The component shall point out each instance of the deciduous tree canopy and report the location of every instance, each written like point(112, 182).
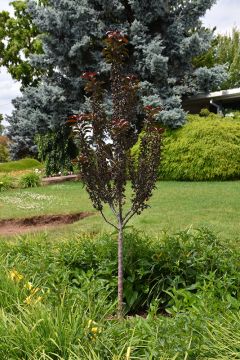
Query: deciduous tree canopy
point(19, 38)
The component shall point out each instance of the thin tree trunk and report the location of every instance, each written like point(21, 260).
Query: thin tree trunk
point(120, 271)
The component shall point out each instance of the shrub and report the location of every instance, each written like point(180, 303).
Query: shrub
point(30, 180)
point(189, 259)
point(6, 182)
point(152, 267)
point(204, 113)
point(56, 149)
point(4, 153)
point(205, 148)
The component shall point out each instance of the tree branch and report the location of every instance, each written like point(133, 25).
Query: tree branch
point(128, 216)
point(107, 221)
point(113, 209)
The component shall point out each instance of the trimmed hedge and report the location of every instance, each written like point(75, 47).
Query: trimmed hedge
point(205, 148)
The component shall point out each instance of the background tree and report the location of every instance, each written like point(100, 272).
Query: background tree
point(165, 36)
point(4, 143)
point(105, 141)
point(224, 50)
point(1, 125)
point(57, 149)
point(19, 38)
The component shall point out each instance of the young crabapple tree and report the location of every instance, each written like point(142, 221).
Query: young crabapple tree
point(105, 142)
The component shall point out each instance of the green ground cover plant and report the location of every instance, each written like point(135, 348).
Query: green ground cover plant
point(182, 261)
point(58, 289)
point(6, 182)
point(64, 305)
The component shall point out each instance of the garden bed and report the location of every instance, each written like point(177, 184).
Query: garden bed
point(17, 226)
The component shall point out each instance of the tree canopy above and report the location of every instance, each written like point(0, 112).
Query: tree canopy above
point(164, 36)
point(224, 50)
point(19, 38)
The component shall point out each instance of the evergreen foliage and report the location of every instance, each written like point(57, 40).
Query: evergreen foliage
point(225, 50)
point(165, 36)
point(30, 118)
point(205, 148)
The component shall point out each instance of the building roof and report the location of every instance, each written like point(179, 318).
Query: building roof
point(228, 98)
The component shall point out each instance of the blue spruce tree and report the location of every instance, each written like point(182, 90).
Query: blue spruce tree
point(164, 36)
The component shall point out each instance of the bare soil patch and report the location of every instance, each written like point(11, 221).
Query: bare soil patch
point(18, 226)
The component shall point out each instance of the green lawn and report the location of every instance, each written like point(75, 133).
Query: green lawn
point(23, 164)
point(174, 206)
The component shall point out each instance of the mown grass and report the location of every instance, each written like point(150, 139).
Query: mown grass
point(173, 207)
point(19, 165)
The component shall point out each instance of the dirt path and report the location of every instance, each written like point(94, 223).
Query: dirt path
point(19, 226)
